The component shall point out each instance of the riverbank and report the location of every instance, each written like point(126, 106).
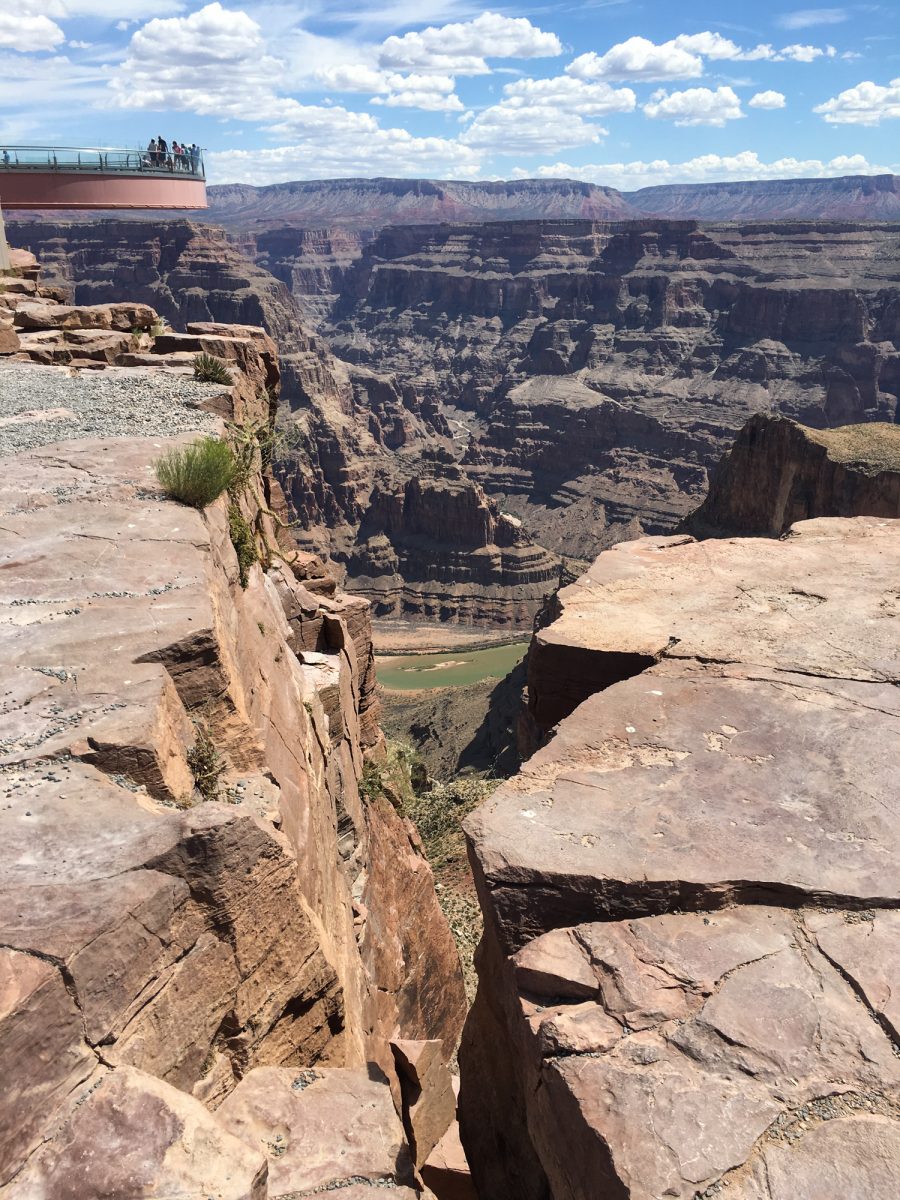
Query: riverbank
point(454, 668)
point(395, 637)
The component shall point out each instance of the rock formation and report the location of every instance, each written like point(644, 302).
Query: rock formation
point(201, 904)
point(690, 893)
point(779, 472)
point(580, 378)
point(369, 467)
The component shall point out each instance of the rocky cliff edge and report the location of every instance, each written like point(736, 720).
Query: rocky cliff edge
point(209, 928)
point(689, 971)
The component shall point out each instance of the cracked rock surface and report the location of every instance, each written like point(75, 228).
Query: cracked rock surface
point(689, 970)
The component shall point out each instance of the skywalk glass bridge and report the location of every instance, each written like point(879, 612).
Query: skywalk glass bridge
point(97, 177)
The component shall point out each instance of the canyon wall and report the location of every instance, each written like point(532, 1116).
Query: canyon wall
point(367, 464)
point(482, 408)
point(213, 925)
point(778, 472)
point(689, 964)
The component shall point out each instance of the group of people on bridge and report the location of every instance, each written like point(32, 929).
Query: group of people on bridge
point(178, 157)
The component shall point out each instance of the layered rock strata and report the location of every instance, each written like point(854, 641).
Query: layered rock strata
point(690, 893)
point(779, 472)
point(194, 884)
point(582, 377)
point(369, 468)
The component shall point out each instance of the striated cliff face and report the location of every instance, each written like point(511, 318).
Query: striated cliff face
point(581, 377)
point(600, 370)
point(209, 926)
point(371, 203)
point(847, 198)
point(690, 898)
point(353, 441)
point(779, 472)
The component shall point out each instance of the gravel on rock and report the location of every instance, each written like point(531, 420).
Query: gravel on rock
point(41, 405)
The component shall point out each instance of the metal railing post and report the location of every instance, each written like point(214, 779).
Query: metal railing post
point(5, 263)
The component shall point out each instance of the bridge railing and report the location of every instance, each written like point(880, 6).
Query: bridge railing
point(100, 159)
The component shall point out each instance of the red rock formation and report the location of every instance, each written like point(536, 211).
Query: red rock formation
point(165, 932)
point(779, 472)
point(689, 895)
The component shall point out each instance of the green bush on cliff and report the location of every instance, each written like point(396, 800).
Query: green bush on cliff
point(243, 541)
point(198, 473)
point(209, 369)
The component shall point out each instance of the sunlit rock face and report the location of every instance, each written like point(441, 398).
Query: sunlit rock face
point(690, 900)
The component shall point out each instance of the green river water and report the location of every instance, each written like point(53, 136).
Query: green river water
point(409, 672)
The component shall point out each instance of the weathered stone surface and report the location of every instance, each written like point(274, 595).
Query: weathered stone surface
point(157, 919)
point(129, 1134)
point(689, 964)
point(319, 1129)
point(737, 601)
point(426, 1089)
point(778, 472)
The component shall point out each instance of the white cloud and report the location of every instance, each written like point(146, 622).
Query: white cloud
point(637, 58)
point(543, 116)
point(434, 93)
point(767, 100)
point(696, 106)
point(538, 130)
point(213, 62)
point(569, 95)
point(27, 33)
point(351, 152)
point(110, 10)
point(681, 58)
point(866, 104)
point(803, 54)
point(706, 168)
point(461, 48)
point(804, 17)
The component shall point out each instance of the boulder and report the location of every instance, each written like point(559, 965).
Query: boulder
point(320, 1129)
point(127, 1133)
point(426, 1090)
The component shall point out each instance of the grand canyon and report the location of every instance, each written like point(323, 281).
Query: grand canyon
point(652, 434)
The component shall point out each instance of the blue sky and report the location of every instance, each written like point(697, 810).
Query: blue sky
point(621, 92)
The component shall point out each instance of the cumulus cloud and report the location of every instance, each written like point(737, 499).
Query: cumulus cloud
point(805, 17)
point(321, 153)
point(212, 62)
point(682, 57)
point(746, 165)
point(866, 104)
point(767, 100)
point(463, 47)
point(696, 106)
point(542, 116)
point(27, 32)
point(637, 59)
point(434, 93)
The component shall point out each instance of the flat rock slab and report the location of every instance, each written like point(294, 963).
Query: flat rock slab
point(715, 1047)
point(321, 1129)
point(822, 601)
point(129, 1134)
point(694, 788)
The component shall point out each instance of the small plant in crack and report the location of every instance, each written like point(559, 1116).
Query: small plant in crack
point(243, 541)
point(206, 763)
point(209, 369)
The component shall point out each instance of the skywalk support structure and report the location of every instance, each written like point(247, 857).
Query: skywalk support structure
point(66, 177)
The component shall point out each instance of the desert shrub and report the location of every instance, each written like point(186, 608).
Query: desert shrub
point(206, 764)
point(209, 369)
point(372, 783)
point(243, 541)
point(198, 473)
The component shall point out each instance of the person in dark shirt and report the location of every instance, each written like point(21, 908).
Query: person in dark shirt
point(162, 151)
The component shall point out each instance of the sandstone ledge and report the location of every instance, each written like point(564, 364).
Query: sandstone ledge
point(690, 891)
point(156, 947)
